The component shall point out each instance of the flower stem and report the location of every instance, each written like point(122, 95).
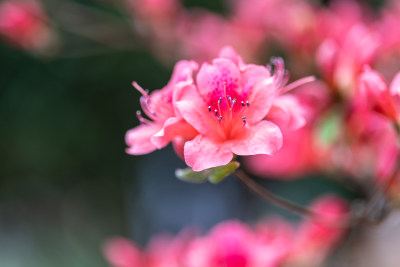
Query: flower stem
point(265, 194)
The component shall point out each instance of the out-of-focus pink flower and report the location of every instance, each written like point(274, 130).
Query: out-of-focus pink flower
point(233, 244)
point(387, 26)
point(272, 242)
point(121, 252)
point(227, 107)
point(373, 93)
point(317, 237)
point(165, 122)
point(297, 157)
point(155, 9)
point(300, 153)
point(370, 135)
point(348, 43)
point(23, 23)
point(289, 22)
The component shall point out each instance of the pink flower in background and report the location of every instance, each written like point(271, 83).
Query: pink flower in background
point(165, 123)
point(316, 238)
point(272, 242)
point(298, 156)
point(227, 106)
point(162, 251)
point(23, 23)
point(300, 153)
point(369, 126)
point(234, 244)
point(348, 42)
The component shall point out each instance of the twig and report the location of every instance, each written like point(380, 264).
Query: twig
point(265, 194)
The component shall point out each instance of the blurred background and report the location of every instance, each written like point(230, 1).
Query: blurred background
point(66, 184)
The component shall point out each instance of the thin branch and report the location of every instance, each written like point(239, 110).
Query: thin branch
point(278, 201)
point(347, 222)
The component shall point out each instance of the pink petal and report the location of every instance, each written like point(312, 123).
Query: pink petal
point(183, 72)
point(139, 139)
point(173, 127)
point(260, 98)
point(211, 78)
point(287, 112)
point(253, 74)
point(395, 85)
point(229, 53)
point(371, 84)
point(262, 138)
point(195, 111)
point(203, 153)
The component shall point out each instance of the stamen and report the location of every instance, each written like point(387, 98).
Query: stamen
point(220, 118)
point(296, 84)
point(243, 104)
point(230, 98)
point(226, 98)
point(209, 108)
point(145, 93)
point(244, 120)
point(248, 103)
point(141, 119)
point(216, 112)
point(145, 104)
point(219, 107)
point(233, 102)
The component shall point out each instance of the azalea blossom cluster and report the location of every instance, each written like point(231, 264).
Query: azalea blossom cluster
point(332, 125)
point(227, 110)
point(272, 242)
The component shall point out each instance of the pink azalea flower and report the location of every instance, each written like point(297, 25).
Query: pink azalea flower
point(227, 107)
point(23, 23)
point(272, 242)
point(165, 122)
point(300, 153)
point(371, 136)
point(234, 244)
point(348, 43)
point(315, 238)
point(374, 93)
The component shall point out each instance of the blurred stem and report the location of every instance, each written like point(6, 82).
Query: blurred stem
point(265, 194)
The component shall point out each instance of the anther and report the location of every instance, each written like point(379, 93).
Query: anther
point(234, 101)
point(209, 108)
point(244, 120)
point(243, 104)
point(219, 101)
point(140, 117)
point(247, 103)
point(220, 118)
point(230, 98)
point(216, 112)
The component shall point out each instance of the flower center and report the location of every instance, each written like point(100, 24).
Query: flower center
point(230, 112)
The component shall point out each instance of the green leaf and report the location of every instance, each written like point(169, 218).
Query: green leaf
point(214, 175)
point(220, 173)
point(188, 175)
